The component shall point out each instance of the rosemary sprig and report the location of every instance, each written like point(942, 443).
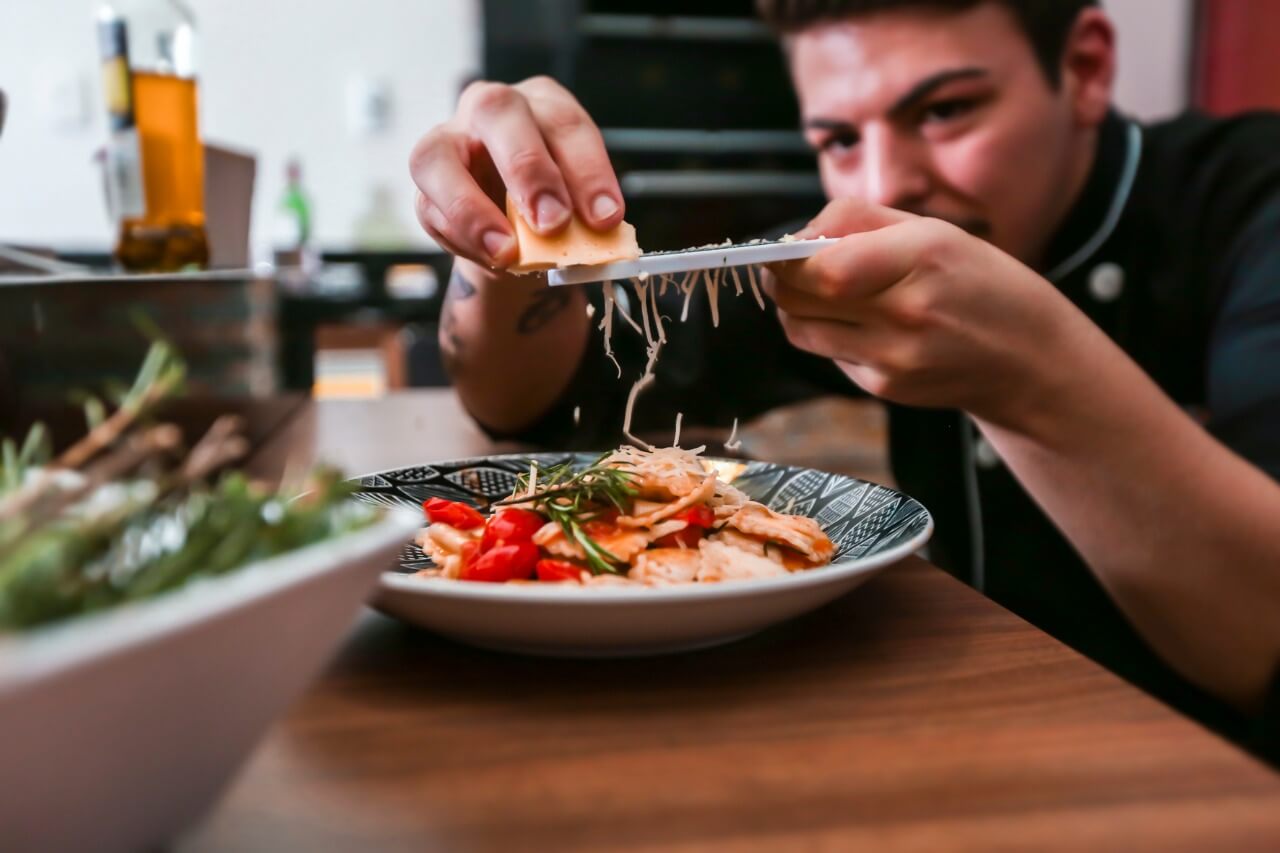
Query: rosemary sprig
point(570, 497)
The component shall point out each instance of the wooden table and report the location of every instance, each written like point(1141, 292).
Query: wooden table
point(913, 714)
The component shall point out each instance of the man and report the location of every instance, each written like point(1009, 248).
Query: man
point(1076, 319)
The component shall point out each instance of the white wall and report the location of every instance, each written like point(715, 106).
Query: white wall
point(274, 78)
point(1155, 55)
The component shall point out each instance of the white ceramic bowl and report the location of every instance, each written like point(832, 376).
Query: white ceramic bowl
point(873, 526)
point(120, 729)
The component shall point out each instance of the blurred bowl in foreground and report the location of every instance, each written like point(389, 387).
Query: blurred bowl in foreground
point(122, 728)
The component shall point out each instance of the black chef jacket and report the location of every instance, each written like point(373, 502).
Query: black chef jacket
point(1173, 248)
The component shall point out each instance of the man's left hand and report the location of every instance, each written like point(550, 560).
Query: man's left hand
point(919, 312)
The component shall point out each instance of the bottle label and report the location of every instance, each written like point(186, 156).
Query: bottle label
point(125, 195)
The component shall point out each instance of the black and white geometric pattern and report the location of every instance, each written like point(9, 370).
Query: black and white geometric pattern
point(861, 518)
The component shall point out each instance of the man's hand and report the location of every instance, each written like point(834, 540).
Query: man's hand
point(532, 141)
point(1179, 530)
point(919, 312)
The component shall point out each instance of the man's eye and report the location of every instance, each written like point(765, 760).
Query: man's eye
point(839, 143)
point(947, 110)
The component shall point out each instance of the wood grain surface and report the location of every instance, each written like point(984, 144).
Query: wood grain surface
point(913, 714)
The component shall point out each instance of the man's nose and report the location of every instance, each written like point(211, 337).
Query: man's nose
point(894, 172)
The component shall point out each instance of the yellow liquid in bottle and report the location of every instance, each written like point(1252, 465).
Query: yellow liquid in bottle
point(171, 235)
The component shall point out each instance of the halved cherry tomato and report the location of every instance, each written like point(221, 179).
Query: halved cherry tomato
point(698, 519)
point(470, 550)
point(603, 524)
point(698, 516)
point(511, 525)
point(516, 561)
point(689, 538)
point(558, 570)
point(453, 513)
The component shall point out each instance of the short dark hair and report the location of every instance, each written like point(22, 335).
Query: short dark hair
point(1046, 23)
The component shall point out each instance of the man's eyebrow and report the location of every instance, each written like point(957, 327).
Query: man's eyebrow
point(925, 87)
point(917, 93)
point(828, 124)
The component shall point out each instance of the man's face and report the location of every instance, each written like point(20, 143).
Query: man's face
point(941, 114)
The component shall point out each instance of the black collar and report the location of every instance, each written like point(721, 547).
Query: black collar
point(1096, 212)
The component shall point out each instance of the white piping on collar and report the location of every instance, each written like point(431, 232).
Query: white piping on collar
point(1133, 156)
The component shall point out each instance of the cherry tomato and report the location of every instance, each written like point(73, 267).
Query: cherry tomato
point(689, 537)
point(453, 513)
point(511, 525)
point(516, 561)
point(558, 570)
point(470, 550)
point(603, 524)
point(698, 516)
point(699, 519)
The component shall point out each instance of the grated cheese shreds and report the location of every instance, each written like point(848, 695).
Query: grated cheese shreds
point(755, 286)
point(606, 326)
point(689, 283)
point(642, 291)
point(653, 347)
point(641, 385)
point(657, 315)
point(651, 327)
point(577, 415)
point(733, 442)
point(713, 296)
point(679, 418)
point(737, 281)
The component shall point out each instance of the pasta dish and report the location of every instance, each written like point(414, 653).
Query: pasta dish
point(651, 516)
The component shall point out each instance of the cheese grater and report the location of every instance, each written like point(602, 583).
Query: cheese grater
point(679, 261)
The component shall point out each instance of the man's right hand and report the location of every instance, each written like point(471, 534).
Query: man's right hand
point(510, 343)
point(533, 141)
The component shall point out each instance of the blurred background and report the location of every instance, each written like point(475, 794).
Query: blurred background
point(308, 110)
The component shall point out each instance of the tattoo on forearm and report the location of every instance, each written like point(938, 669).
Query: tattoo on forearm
point(450, 342)
point(459, 289)
point(543, 309)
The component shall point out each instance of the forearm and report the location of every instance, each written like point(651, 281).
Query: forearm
point(1184, 534)
point(510, 343)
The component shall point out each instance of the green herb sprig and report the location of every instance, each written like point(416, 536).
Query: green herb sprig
point(570, 498)
point(167, 518)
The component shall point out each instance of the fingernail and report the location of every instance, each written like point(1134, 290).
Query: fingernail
point(550, 211)
point(495, 243)
point(603, 207)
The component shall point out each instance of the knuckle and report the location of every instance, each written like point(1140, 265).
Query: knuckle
point(527, 165)
point(463, 213)
point(487, 97)
point(427, 150)
point(562, 118)
point(896, 362)
point(936, 238)
point(829, 280)
point(915, 310)
point(541, 83)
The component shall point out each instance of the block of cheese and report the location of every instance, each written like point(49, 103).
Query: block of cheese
point(576, 244)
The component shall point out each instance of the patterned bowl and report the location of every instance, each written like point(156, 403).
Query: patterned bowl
point(872, 526)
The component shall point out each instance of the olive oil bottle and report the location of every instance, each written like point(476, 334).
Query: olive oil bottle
point(155, 160)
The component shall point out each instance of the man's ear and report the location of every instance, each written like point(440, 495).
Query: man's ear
point(1088, 70)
